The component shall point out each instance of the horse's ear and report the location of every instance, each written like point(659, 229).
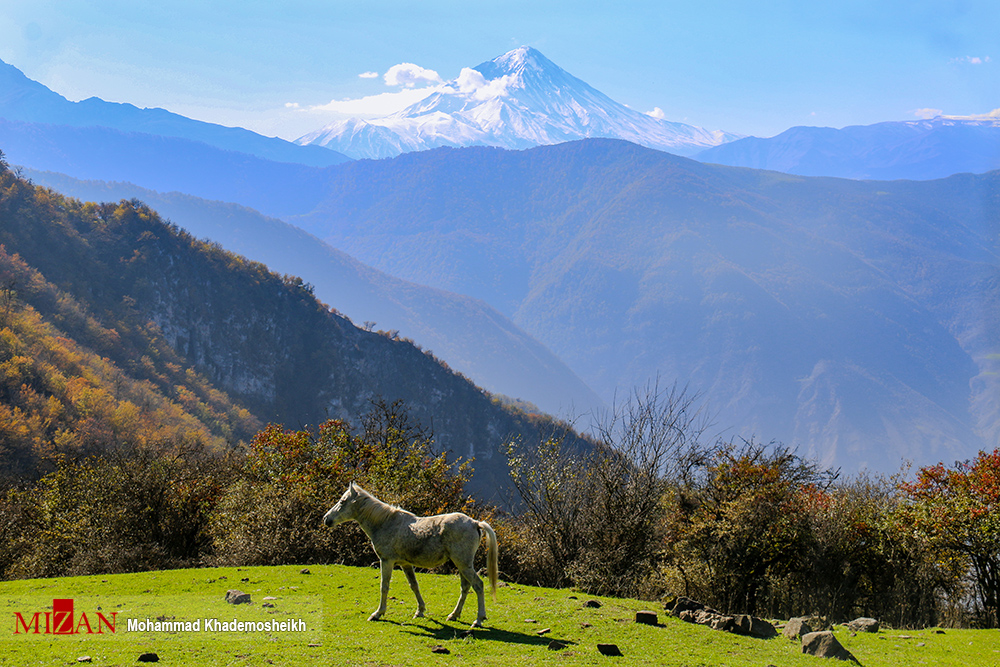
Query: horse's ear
point(353, 487)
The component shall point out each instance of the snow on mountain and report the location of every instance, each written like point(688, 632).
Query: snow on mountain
point(518, 100)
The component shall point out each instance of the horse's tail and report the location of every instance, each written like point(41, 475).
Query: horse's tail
point(492, 556)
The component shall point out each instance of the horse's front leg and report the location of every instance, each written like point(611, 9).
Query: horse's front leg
point(386, 577)
point(412, 578)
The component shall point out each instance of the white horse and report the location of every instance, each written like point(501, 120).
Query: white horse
point(411, 541)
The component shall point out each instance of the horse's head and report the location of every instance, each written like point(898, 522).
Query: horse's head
point(343, 510)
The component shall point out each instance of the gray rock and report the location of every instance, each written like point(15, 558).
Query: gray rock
point(234, 596)
point(796, 627)
point(825, 645)
point(685, 604)
point(751, 626)
point(863, 625)
point(149, 657)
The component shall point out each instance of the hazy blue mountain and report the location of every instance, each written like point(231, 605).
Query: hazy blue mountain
point(22, 99)
point(162, 163)
point(117, 280)
point(855, 319)
point(467, 333)
point(919, 150)
point(517, 100)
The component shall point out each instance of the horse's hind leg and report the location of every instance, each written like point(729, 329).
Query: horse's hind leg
point(469, 576)
point(412, 578)
point(457, 613)
point(386, 577)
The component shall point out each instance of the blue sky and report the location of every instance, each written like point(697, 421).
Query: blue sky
point(746, 67)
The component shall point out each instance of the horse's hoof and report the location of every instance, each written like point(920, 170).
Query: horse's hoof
point(419, 614)
point(477, 624)
point(452, 617)
point(375, 616)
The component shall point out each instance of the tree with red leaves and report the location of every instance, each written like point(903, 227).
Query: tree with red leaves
point(957, 511)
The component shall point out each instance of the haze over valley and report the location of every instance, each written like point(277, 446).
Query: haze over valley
point(560, 249)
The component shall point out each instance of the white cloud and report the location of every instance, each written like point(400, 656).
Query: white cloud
point(972, 60)
point(926, 113)
point(992, 115)
point(375, 106)
point(409, 75)
point(368, 75)
point(657, 112)
point(291, 105)
point(472, 82)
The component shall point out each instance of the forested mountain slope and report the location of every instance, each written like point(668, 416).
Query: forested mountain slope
point(471, 336)
point(163, 300)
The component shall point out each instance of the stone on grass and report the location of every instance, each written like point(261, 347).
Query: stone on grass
point(556, 645)
point(712, 619)
point(609, 649)
point(751, 626)
point(691, 611)
point(646, 617)
point(234, 596)
point(84, 658)
point(440, 649)
point(825, 645)
point(863, 625)
point(796, 627)
point(149, 657)
point(592, 604)
point(684, 604)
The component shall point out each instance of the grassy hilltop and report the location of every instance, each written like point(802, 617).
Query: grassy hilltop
point(334, 601)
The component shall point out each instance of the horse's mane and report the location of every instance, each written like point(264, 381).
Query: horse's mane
point(372, 510)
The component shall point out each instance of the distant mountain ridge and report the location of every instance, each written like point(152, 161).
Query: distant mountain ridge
point(916, 149)
point(517, 100)
point(857, 320)
point(473, 338)
point(262, 338)
point(22, 99)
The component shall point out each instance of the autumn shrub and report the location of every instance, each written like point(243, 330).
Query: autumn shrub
point(595, 519)
point(740, 526)
point(140, 511)
point(863, 559)
point(289, 479)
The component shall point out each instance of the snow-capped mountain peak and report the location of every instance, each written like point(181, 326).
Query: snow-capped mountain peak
point(517, 100)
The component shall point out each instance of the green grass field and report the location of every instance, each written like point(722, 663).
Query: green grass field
point(333, 603)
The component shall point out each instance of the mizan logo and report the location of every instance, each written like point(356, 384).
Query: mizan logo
point(63, 621)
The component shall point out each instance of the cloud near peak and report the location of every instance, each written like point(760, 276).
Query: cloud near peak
point(472, 82)
point(409, 75)
point(926, 114)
